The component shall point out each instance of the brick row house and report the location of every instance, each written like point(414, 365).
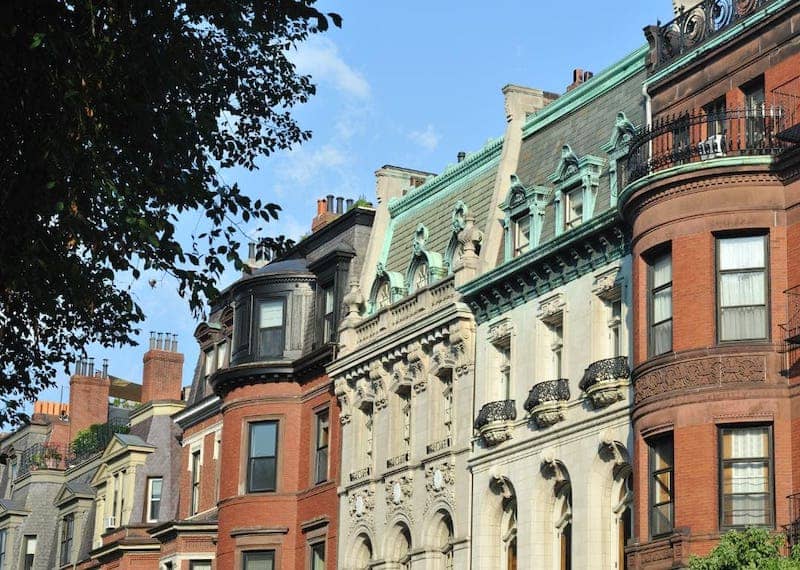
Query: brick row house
point(576, 347)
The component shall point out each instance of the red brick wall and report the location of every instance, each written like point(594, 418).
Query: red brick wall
point(162, 375)
point(210, 471)
point(88, 402)
point(297, 500)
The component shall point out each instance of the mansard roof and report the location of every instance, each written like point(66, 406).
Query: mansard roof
point(470, 181)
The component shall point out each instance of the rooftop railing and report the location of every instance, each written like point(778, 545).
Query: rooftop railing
point(696, 25)
point(705, 134)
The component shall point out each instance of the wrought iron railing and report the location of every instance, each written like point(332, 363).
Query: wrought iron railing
point(701, 135)
point(502, 410)
point(792, 529)
point(694, 26)
point(397, 460)
point(605, 370)
point(360, 474)
point(63, 456)
point(547, 391)
point(438, 445)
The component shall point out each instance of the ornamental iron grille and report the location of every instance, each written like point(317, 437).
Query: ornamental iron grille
point(695, 26)
point(502, 410)
point(548, 391)
point(606, 370)
point(704, 134)
point(792, 529)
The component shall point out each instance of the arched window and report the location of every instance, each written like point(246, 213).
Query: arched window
point(564, 524)
point(444, 541)
point(402, 547)
point(508, 528)
point(363, 553)
point(624, 516)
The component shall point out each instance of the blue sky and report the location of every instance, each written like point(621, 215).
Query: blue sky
point(406, 83)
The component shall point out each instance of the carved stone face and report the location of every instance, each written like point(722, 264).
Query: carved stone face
point(438, 479)
point(359, 505)
point(397, 493)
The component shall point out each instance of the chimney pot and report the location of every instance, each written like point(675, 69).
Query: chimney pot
point(339, 204)
point(461, 156)
point(330, 202)
point(91, 367)
point(320, 206)
point(152, 339)
point(349, 203)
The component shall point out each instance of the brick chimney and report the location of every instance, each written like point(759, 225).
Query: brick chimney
point(328, 209)
point(579, 77)
point(163, 369)
point(88, 396)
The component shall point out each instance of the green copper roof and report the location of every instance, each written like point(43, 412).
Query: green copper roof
point(432, 204)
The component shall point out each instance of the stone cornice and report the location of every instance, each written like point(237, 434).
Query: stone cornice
point(454, 173)
point(595, 87)
point(577, 252)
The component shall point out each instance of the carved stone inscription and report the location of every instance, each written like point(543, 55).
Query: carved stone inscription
point(700, 373)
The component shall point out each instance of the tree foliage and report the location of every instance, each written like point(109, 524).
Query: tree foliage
point(753, 549)
point(117, 119)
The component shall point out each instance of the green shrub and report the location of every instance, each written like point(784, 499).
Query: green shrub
point(753, 549)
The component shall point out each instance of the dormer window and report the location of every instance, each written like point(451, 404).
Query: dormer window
point(329, 316)
point(524, 217)
point(522, 234)
point(270, 327)
point(384, 297)
point(576, 180)
point(421, 276)
point(573, 208)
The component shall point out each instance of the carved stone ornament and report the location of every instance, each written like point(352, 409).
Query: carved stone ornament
point(416, 368)
point(553, 468)
point(420, 237)
point(354, 301)
point(362, 504)
point(376, 376)
point(699, 373)
point(344, 406)
point(551, 310)
point(500, 331)
point(495, 433)
point(548, 413)
point(364, 394)
point(459, 216)
point(470, 237)
point(607, 285)
point(399, 490)
point(440, 483)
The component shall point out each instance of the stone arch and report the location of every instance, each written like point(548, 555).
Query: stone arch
point(438, 537)
point(554, 509)
point(612, 501)
point(361, 552)
point(398, 542)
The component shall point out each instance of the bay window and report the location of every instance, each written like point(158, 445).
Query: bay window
point(742, 287)
point(661, 484)
point(660, 277)
point(270, 328)
point(746, 481)
point(262, 457)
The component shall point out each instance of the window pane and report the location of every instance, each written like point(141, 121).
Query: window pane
point(270, 313)
point(200, 565)
point(747, 442)
point(155, 489)
point(662, 492)
point(662, 271)
point(662, 337)
point(329, 299)
point(741, 252)
point(662, 305)
point(262, 474)
point(260, 560)
point(222, 354)
point(322, 465)
point(661, 521)
point(743, 323)
point(318, 556)
point(270, 342)
point(263, 439)
point(742, 289)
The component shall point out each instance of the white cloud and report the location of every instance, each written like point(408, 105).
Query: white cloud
point(319, 57)
point(427, 139)
point(302, 166)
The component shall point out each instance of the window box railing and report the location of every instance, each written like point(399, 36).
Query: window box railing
point(791, 328)
point(360, 474)
point(697, 136)
point(398, 460)
point(547, 401)
point(438, 445)
point(602, 380)
point(695, 26)
point(492, 421)
point(44, 456)
point(792, 529)
point(499, 411)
